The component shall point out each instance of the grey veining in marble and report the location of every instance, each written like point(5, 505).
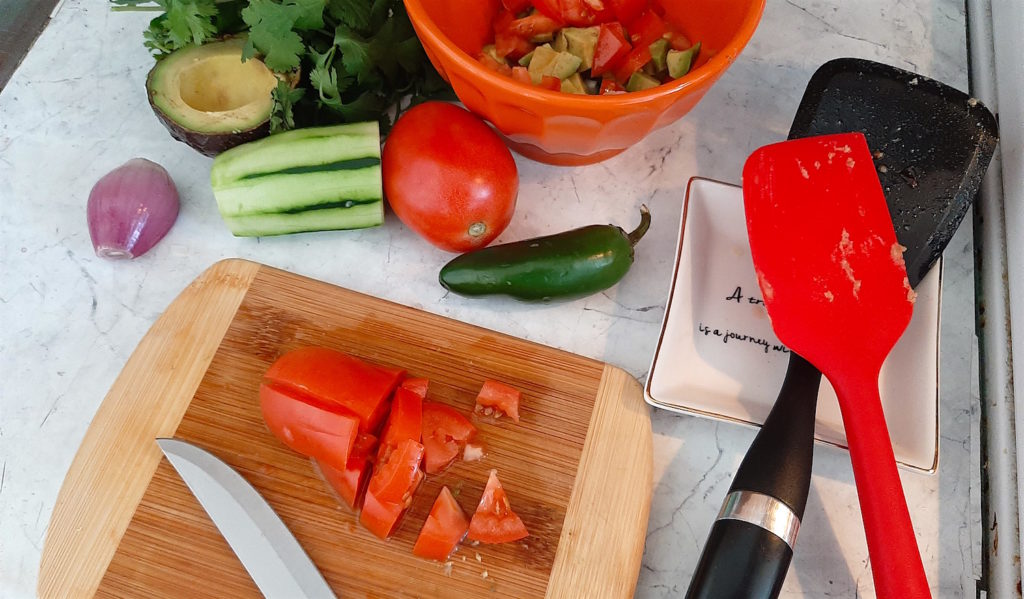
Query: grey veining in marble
point(76, 108)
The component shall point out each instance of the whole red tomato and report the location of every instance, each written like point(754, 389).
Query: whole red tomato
point(449, 177)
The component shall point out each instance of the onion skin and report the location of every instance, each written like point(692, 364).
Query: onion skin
point(131, 208)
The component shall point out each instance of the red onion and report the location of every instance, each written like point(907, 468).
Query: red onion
point(131, 208)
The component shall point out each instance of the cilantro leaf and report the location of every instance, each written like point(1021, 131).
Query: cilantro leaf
point(310, 14)
point(282, 117)
point(324, 79)
point(270, 32)
point(190, 22)
point(182, 23)
point(355, 54)
point(354, 13)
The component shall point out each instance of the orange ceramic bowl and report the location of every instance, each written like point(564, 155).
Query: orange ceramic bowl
point(569, 129)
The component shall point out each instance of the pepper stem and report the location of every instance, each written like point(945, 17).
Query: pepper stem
point(645, 223)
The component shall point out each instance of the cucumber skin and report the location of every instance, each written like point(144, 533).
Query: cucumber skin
point(295, 181)
point(361, 216)
point(566, 265)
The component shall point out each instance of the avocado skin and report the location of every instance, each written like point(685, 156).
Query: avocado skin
point(207, 144)
point(210, 144)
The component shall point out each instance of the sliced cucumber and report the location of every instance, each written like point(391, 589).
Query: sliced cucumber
point(314, 179)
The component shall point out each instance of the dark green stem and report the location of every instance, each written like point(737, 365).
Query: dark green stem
point(645, 223)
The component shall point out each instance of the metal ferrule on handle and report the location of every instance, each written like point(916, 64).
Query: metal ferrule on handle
point(763, 511)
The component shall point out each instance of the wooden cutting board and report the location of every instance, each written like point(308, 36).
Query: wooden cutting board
point(578, 467)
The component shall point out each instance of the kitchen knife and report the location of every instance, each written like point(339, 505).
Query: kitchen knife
point(268, 550)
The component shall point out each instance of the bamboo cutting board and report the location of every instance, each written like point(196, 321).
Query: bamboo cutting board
point(577, 467)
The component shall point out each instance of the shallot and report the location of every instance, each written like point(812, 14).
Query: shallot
point(131, 208)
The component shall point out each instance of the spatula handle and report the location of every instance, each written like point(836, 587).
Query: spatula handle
point(895, 560)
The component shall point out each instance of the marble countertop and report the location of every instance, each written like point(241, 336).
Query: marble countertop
point(76, 108)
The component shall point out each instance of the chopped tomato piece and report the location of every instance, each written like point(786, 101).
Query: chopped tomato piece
point(498, 399)
point(549, 82)
point(417, 386)
point(404, 422)
point(473, 452)
point(350, 484)
point(396, 479)
point(611, 49)
point(576, 13)
point(626, 11)
point(498, 67)
point(380, 517)
point(634, 61)
point(336, 378)
point(678, 41)
point(390, 490)
point(611, 86)
point(533, 25)
point(445, 527)
point(515, 6)
point(509, 45)
point(503, 19)
point(647, 28)
point(494, 520)
point(317, 431)
point(522, 75)
point(445, 433)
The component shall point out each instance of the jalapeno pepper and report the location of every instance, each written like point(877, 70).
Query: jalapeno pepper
point(571, 264)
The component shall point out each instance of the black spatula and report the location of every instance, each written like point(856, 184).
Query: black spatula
point(931, 145)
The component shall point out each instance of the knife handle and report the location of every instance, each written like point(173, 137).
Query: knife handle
point(777, 466)
point(741, 560)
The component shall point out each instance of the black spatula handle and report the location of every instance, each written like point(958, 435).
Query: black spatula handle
point(742, 557)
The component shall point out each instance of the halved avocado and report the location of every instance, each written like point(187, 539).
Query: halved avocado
point(211, 100)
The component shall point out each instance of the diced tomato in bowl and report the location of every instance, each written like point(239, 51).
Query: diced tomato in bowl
point(577, 41)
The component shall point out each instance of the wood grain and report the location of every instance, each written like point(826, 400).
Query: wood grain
point(577, 466)
point(118, 455)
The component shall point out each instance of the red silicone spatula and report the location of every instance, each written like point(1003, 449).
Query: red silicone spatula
point(835, 286)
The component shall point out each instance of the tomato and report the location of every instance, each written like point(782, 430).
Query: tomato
point(498, 67)
point(515, 6)
point(395, 479)
point(611, 49)
point(634, 61)
point(678, 41)
point(522, 75)
point(549, 82)
point(647, 28)
point(336, 378)
point(417, 386)
point(626, 11)
point(533, 25)
point(445, 433)
point(390, 490)
point(576, 13)
point(403, 423)
point(312, 430)
point(380, 517)
point(494, 520)
point(350, 483)
point(449, 177)
point(444, 528)
point(511, 46)
point(498, 398)
point(611, 86)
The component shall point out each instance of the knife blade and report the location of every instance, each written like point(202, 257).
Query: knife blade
point(267, 549)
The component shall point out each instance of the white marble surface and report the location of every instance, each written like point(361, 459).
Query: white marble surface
point(68, 320)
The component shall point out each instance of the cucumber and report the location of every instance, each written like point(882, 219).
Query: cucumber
point(314, 179)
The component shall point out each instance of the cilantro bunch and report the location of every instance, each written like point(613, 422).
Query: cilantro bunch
point(360, 59)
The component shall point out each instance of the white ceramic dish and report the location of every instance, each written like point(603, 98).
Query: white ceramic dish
point(717, 356)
